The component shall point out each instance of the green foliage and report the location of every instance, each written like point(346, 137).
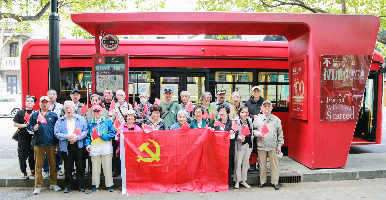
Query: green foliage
point(150, 5)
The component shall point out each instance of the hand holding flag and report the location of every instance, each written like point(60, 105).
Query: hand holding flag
point(26, 117)
point(103, 105)
point(77, 132)
point(83, 110)
point(264, 129)
point(189, 106)
point(218, 123)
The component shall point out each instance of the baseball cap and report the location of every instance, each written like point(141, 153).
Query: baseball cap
point(44, 98)
point(73, 91)
point(168, 89)
point(256, 87)
point(97, 107)
point(266, 101)
point(221, 91)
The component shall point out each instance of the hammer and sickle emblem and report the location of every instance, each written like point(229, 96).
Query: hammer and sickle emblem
point(154, 156)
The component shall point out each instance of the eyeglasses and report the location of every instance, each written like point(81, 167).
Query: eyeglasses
point(52, 94)
point(206, 98)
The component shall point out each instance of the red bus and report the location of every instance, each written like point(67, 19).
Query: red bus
point(196, 66)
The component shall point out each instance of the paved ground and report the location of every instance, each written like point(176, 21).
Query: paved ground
point(355, 189)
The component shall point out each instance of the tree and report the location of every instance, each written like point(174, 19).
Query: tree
point(373, 7)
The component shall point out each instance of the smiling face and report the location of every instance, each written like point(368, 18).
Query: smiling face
point(168, 96)
point(108, 95)
point(185, 98)
point(267, 107)
point(223, 114)
point(181, 119)
point(29, 103)
point(121, 97)
point(130, 119)
point(155, 115)
point(95, 101)
point(97, 114)
point(206, 100)
point(236, 98)
point(244, 113)
point(221, 97)
point(198, 114)
point(256, 93)
point(75, 97)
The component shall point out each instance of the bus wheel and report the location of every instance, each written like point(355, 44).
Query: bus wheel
point(14, 111)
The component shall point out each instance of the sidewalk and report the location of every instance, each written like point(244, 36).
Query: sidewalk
point(358, 166)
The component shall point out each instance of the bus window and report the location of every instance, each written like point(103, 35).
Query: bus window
point(141, 80)
point(235, 81)
point(195, 86)
point(275, 86)
point(74, 78)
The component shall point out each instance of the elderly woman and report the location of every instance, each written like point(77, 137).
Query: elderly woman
point(155, 121)
point(130, 126)
point(181, 118)
point(205, 99)
point(185, 96)
point(100, 133)
point(121, 107)
point(243, 148)
point(224, 119)
point(198, 121)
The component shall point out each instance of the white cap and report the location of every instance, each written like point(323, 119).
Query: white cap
point(256, 87)
point(44, 98)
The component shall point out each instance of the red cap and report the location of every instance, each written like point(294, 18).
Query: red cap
point(97, 107)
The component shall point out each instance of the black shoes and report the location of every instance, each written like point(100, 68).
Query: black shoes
point(67, 190)
point(261, 185)
point(276, 187)
point(116, 174)
point(81, 190)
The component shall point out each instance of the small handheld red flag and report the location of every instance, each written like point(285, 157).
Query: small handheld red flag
point(42, 119)
point(146, 128)
point(235, 127)
point(112, 106)
point(103, 105)
point(218, 123)
point(185, 126)
point(26, 117)
point(189, 106)
point(135, 106)
point(211, 114)
point(77, 132)
point(262, 109)
point(83, 109)
point(205, 115)
point(245, 131)
point(95, 135)
point(145, 109)
point(157, 101)
point(117, 123)
point(264, 129)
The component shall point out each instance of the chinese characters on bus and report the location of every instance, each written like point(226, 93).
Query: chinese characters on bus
point(342, 83)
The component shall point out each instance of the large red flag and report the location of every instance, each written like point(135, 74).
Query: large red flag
point(193, 160)
point(83, 110)
point(26, 117)
point(77, 132)
point(41, 118)
point(112, 106)
point(264, 129)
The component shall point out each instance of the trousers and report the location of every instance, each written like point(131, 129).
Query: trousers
point(242, 163)
point(73, 154)
point(274, 162)
point(25, 151)
point(39, 160)
point(106, 161)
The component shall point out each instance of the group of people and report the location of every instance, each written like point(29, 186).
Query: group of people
point(77, 135)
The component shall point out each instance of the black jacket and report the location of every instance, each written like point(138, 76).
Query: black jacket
point(228, 127)
point(254, 107)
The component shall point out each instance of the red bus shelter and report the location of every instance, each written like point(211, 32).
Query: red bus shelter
point(329, 58)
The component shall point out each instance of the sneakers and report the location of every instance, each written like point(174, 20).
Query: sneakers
point(94, 189)
point(60, 172)
point(55, 188)
point(46, 174)
point(25, 176)
point(110, 189)
point(37, 191)
point(32, 173)
point(245, 184)
point(276, 187)
point(237, 185)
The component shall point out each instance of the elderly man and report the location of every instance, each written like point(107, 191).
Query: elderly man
point(71, 129)
point(185, 96)
point(58, 109)
point(100, 132)
point(220, 94)
point(44, 142)
point(143, 116)
point(255, 102)
point(234, 108)
point(107, 98)
point(267, 127)
point(95, 100)
point(169, 108)
point(75, 96)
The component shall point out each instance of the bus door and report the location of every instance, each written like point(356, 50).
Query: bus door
point(365, 131)
point(195, 81)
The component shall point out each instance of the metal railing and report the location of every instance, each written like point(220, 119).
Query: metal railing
point(12, 63)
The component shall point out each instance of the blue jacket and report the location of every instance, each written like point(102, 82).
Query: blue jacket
point(106, 130)
point(61, 131)
point(44, 136)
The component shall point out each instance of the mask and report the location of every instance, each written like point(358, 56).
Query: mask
point(143, 101)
